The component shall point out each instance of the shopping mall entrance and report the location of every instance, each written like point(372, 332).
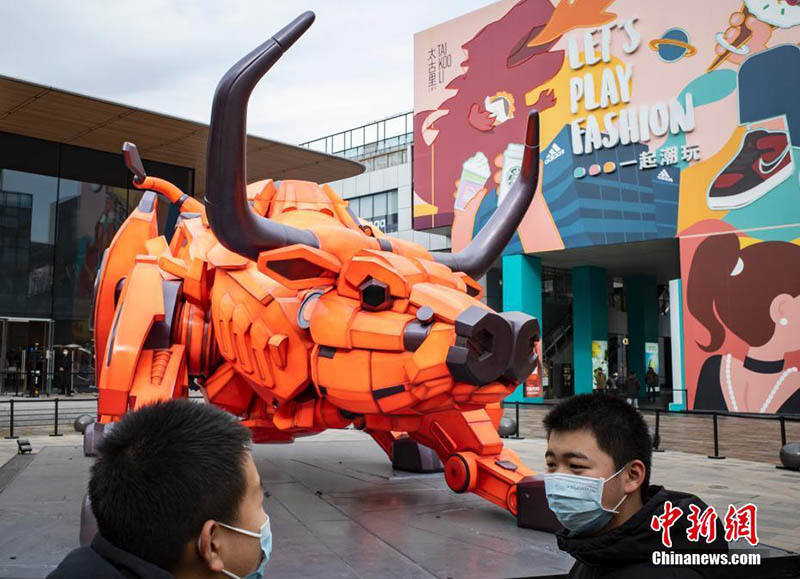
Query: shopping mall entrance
point(26, 358)
point(606, 313)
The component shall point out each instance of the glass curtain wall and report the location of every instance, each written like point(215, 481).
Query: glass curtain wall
point(60, 207)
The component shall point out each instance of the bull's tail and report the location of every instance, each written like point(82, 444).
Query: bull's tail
point(170, 192)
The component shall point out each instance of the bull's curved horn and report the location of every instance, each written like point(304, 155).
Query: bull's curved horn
point(476, 259)
point(234, 223)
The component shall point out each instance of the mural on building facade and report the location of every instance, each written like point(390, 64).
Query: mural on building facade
point(739, 229)
point(670, 119)
point(741, 328)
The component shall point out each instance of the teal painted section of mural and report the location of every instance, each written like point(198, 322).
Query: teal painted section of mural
point(642, 304)
point(522, 292)
point(679, 351)
point(589, 321)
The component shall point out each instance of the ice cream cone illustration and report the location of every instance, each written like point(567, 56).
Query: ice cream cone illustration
point(474, 173)
point(772, 13)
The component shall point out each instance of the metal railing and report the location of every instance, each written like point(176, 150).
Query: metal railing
point(369, 139)
point(37, 413)
point(715, 414)
point(34, 412)
point(48, 415)
point(557, 334)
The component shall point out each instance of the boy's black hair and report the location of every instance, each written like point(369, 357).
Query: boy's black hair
point(620, 430)
point(162, 472)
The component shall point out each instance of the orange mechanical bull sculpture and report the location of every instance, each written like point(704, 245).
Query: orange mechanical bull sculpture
point(294, 315)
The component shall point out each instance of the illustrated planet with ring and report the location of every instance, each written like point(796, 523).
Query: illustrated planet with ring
point(673, 45)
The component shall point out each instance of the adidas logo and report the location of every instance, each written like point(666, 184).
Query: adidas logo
point(662, 176)
point(554, 153)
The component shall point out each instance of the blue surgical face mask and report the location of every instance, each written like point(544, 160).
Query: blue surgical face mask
point(265, 536)
point(577, 501)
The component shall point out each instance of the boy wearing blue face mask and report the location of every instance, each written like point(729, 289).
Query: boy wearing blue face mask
point(175, 493)
point(597, 484)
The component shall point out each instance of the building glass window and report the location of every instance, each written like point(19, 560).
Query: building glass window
point(379, 209)
point(381, 162)
point(374, 144)
point(354, 206)
point(28, 195)
point(365, 206)
point(60, 206)
point(89, 215)
point(27, 226)
point(379, 204)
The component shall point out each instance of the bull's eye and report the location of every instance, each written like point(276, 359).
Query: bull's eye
point(375, 295)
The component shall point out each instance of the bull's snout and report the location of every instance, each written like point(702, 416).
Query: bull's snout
point(490, 345)
point(524, 357)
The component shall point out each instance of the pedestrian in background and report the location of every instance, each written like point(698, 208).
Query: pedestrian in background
point(600, 380)
point(632, 387)
point(651, 381)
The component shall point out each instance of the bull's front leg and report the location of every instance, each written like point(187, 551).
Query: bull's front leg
point(474, 456)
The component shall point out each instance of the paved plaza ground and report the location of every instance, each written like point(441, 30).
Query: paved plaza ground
point(339, 511)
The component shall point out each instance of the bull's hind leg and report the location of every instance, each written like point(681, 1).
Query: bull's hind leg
point(158, 374)
point(473, 454)
point(141, 364)
point(118, 260)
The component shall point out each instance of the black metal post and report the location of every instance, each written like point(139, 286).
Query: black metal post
point(516, 432)
point(716, 440)
point(783, 432)
point(55, 423)
point(11, 420)
point(657, 435)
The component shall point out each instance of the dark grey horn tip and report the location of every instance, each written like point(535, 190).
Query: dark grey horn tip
point(532, 131)
point(289, 34)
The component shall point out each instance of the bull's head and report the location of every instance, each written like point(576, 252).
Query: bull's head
point(385, 312)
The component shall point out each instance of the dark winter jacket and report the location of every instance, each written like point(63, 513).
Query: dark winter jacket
point(626, 551)
point(102, 560)
point(632, 386)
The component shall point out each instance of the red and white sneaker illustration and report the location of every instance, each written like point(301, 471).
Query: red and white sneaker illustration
point(764, 161)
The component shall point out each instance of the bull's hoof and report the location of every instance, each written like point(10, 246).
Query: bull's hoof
point(533, 512)
point(92, 437)
point(410, 456)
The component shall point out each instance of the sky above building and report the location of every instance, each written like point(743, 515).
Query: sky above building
point(353, 66)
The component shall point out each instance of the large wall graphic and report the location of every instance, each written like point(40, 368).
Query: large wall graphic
point(659, 119)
